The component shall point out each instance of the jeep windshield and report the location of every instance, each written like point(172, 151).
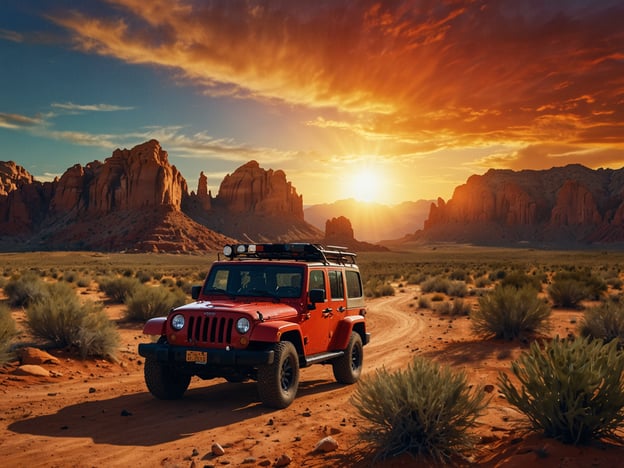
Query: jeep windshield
point(257, 280)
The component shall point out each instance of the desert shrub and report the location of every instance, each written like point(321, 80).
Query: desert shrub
point(437, 284)
point(455, 307)
point(97, 335)
point(119, 288)
point(7, 331)
point(519, 279)
point(457, 289)
point(573, 391)
point(567, 292)
point(143, 276)
point(146, 302)
point(605, 322)
point(416, 278)
point(63, 320)
point(426, 409)
point(507, 312)
point(24, 289)
point(378, 288)
point(569, 288)
point(482, 282)
point(459, 275)
point(58, 316)
point(615, 282)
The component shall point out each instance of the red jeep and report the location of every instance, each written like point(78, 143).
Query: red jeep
point(262, 314)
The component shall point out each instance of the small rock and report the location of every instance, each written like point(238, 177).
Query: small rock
point(126, 413)
point(36, 356)
point(32, 369)
point(249, 460)
point(283, 460)
point(488, 388)
point(91, 390)
point(264, 463)
point(327, 444)
point(217, 450)
point(195, 452)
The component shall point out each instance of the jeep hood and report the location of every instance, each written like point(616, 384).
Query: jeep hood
point(269, 310)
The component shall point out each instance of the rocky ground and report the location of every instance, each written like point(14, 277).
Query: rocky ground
point(97, 413)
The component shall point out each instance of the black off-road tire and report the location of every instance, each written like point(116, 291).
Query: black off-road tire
point(278, 382)
point(164, 381)
point(347, 369)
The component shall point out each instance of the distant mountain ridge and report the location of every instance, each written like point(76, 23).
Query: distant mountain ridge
point(136, 200)
point(571, 205)
point(372, 222)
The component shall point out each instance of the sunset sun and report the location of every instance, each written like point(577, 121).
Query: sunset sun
point(366, 185)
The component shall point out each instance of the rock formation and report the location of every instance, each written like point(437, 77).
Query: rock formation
point(253, 189)
point(565, 205)
point(338, 231)
point(253, 204)
point(12, 177)
point(136, 200)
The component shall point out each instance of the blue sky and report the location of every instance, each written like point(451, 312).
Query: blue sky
point(386, 101)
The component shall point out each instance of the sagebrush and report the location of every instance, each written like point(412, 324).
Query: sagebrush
point(426, 409)
point(573, 391)
point(508, 312)
point(63, 320)
point(605, 321)
point(8, 330)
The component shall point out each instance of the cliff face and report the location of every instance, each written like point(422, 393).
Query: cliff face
point(571, 204)
point(137, 200)
point(253, 189)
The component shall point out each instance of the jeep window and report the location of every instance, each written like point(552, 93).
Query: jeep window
point(354, 285)
point(335, 284)
point(317, 280)
point(246, 279)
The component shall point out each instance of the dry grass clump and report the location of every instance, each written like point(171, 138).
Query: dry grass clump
point(23, 289)
point(118, 289)
point(146, 302)
point(426, 409)
point(61, 319)
point(570, 287)
point(605, 322)
point(573, 391)
point(7, 331)
point(508, 312)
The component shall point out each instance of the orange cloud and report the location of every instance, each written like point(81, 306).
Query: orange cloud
point(447, 73)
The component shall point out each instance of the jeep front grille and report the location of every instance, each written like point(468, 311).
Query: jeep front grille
point(209, 330)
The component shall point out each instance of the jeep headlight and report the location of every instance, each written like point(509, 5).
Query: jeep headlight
point(242, 325)
point(177, 322)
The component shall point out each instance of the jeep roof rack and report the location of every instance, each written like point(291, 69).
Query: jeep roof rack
point(292, 251)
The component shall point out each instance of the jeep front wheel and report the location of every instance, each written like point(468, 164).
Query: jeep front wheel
point(164, 381)
point(278, 382)
point(347, 369)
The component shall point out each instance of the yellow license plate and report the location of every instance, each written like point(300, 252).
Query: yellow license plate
point(199, 357)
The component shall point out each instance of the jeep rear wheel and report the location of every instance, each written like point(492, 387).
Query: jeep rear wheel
point(347, 369)
point(278, 382)
point(164, 381)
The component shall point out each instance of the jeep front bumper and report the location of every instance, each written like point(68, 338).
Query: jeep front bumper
point(163, 352)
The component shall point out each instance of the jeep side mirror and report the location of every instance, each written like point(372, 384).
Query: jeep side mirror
point(195, 290)
point(316, 296)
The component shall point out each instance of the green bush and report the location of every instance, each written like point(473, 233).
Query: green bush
point(425, 409)
point(437, 284)
point(146, 302)
point(605, 322)
point(63, 320)
point(519, 279)
point(24, 289)
point(507, 312)
point(573, 391)
point(98, 335)
point(118, 289)
point(7, 331)
point(569, 288)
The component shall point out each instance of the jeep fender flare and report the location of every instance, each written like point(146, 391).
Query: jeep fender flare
point(348, 324)
point(155, 326)
point(273, 332)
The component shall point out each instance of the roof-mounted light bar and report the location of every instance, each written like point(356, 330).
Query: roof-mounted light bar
point(291, 251)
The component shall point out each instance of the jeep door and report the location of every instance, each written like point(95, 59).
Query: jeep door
point(316, 329)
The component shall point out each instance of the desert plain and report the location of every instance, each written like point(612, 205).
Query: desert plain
point(98, 413)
